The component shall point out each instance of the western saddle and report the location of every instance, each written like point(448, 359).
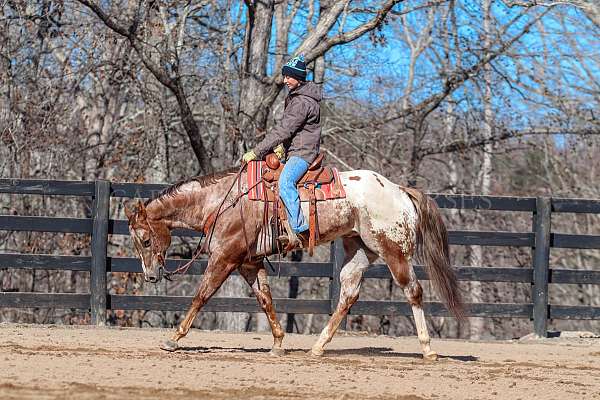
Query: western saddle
point(316, 176)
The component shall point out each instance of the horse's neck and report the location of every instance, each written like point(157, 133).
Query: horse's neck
point(175, 212)
point(189, 206)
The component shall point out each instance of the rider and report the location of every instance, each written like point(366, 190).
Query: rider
point(299, 132)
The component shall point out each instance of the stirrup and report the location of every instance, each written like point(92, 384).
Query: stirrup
point(287, 239)
point(289, 243)
point(294, 241)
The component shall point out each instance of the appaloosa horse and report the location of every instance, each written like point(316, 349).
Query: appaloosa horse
point(376, 219)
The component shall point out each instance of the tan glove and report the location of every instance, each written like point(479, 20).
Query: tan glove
point(249, 156)
point(279, 151)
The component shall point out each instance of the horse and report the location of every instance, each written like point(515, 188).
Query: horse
point(377, 218)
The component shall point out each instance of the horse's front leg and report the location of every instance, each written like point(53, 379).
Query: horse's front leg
point(256, 276)
point(214, 276)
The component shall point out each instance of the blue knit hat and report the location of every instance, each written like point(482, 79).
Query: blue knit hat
point(296, 68)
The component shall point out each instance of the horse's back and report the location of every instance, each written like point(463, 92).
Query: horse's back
point(368, 187)
point(383, 206)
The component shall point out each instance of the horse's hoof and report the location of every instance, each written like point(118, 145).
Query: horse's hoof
point(431, 356)
point(316, 352)
point(277, 352)
point(169, 345)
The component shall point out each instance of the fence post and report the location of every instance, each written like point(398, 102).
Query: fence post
point(100, 213)
point(293, 292)
point(541, 260)
point(337, 260)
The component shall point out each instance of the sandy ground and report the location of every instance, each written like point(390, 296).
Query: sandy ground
point(51, 362)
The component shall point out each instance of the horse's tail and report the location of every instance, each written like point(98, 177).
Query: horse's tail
point(432, 249)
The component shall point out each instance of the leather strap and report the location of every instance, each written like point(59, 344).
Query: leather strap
point(313, 223)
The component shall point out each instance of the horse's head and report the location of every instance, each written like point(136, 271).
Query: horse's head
point(151, 239)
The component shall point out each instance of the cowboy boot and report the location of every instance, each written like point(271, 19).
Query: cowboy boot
point(287, 240)
point(292, 240)
point(297, 241)
point(303, 236)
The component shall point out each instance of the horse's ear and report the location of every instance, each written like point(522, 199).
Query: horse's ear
point(130, 210)
point(141, 209)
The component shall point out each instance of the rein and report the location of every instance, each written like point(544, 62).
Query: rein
point(205, 248)
point(183, 268)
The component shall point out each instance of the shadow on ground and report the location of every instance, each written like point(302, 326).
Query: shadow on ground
point(364, 351)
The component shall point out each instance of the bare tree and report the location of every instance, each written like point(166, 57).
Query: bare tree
point(590, 7)
point(437, 93)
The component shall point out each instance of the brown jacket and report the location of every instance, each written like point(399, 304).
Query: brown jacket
point(300, 128)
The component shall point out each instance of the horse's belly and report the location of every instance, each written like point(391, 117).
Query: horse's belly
point(335, 218)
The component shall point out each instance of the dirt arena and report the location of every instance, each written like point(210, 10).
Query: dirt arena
point(52, 362)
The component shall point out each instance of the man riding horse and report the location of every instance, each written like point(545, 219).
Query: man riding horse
point(376, 218)
point(300, 132)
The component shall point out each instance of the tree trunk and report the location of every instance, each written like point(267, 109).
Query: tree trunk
point(252, 115)
point(157, 173)
point(191, 128)
point(319, 70)
point(478, 325)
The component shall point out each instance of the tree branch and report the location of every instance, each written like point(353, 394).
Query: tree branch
point(174, 84)
point(354, 34)
point(462, 145)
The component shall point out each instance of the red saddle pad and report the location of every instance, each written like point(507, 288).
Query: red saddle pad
point(254, 173)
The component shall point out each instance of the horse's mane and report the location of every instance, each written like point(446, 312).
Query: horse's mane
point(203, 181)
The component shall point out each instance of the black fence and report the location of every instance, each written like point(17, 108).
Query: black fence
point(540, 239)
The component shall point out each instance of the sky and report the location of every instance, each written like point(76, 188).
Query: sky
point(562, 33)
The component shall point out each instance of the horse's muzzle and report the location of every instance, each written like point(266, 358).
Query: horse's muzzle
point(155, 278)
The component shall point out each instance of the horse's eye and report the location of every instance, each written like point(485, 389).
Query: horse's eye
point(146, 243)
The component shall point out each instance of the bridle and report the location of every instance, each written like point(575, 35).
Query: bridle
point(153, 248)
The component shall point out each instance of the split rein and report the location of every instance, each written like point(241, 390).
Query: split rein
point(212, 222)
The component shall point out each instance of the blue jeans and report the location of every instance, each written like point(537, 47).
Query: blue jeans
point(293, 170)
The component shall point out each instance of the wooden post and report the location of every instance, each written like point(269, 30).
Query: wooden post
point(337, 260)
point(293, 293)
point(99, 242)
point(541, 260)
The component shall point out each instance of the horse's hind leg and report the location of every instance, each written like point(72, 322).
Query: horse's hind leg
point(256, 276)
point(355, 263)
point(404, 275)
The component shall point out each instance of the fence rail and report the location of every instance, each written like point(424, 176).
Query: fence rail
point(99, 226)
